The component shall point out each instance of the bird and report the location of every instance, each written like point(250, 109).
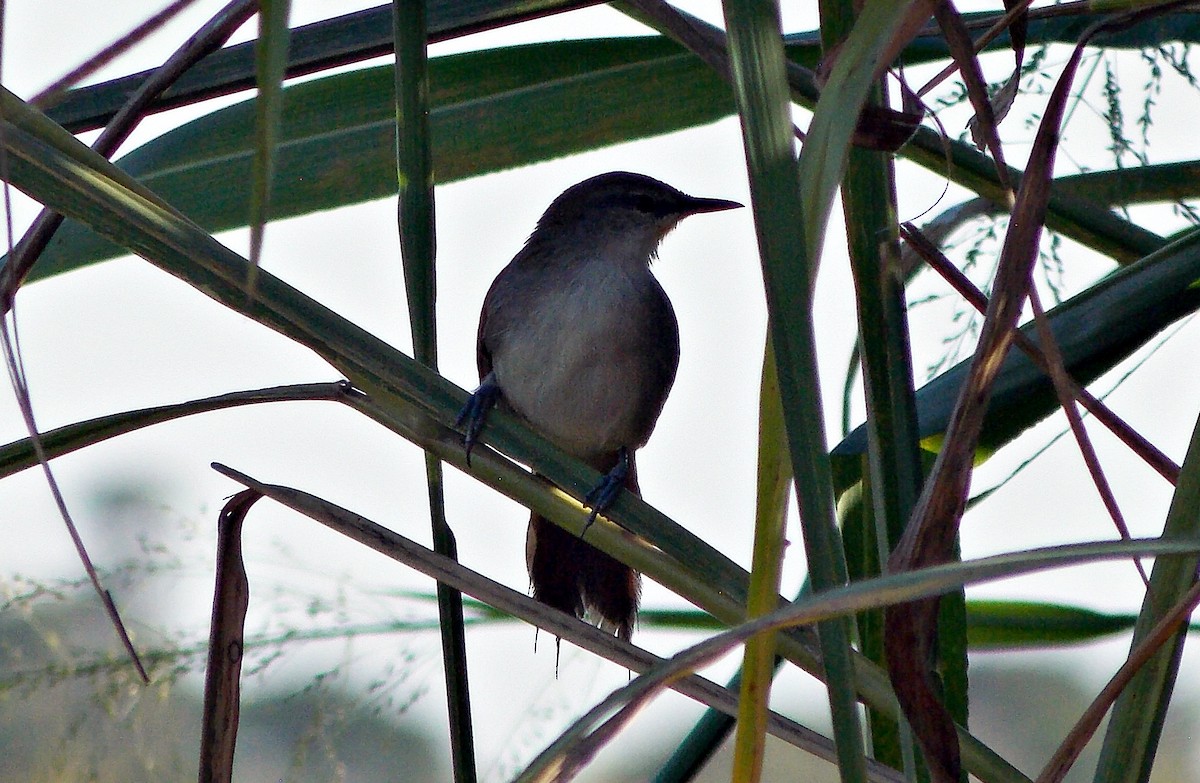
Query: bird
point(577, 338)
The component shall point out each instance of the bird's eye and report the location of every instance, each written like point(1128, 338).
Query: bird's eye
point(650, 205)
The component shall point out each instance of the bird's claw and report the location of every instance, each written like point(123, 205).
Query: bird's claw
point(603, 494)
point(474, 413)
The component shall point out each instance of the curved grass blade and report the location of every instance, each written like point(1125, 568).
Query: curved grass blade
point(497, 597)
point(574, 748)
point(992, 625)
point(20, 455)
point(620, 80)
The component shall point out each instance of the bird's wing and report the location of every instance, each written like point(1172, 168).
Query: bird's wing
point(483, 356)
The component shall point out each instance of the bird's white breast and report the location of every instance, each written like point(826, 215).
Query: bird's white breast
point(573, 363)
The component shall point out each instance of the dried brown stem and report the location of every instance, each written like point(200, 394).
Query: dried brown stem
point(1151, 454)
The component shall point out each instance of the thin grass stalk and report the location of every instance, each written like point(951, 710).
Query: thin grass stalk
point(1063, 388)
point(894, 458)
point(758, 661)
point(893, 465)
point(271, 64)
point(418, 250)
point(789, 271)
point(54, 91)
point(1131, 740)
point(11, 357)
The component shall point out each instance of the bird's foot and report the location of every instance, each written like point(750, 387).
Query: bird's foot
point(474, 413)
point(604, 493)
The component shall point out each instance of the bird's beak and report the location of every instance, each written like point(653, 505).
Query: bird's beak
point(698, 205)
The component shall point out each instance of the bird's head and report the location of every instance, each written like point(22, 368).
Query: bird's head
point(632, 207)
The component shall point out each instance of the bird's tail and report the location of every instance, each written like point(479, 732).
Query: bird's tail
point(573, 576)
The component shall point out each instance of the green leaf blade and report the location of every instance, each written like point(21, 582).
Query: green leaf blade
point(489, 111)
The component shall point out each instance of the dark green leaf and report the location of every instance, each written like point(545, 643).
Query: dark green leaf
point(1095, 330)
point(1003, 625)
point(342, 40)
point(491, 110)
